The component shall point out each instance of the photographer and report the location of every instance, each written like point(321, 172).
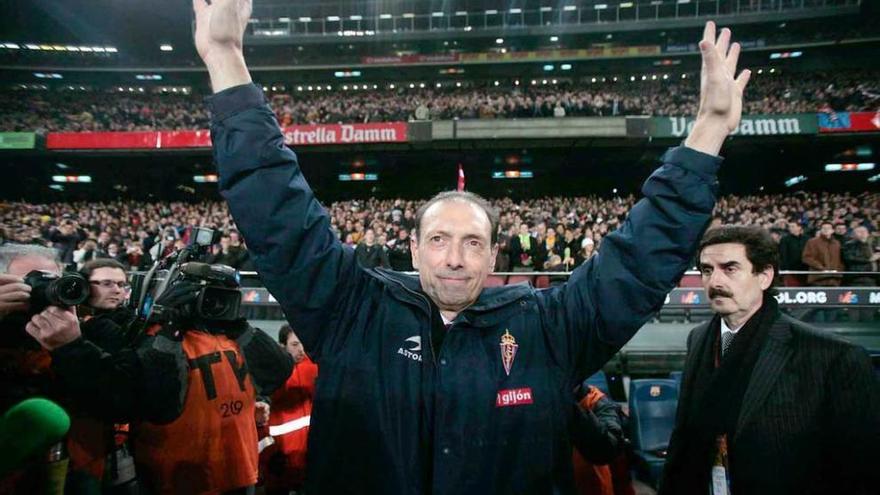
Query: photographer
point(99, 457)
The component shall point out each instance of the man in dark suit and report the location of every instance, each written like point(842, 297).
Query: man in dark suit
point(768, 405)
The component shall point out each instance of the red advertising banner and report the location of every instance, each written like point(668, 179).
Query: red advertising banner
point(299, 135)
point(849, 122)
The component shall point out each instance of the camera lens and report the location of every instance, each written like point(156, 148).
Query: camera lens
point(68, 290)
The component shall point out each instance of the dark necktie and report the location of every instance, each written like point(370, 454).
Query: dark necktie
point(726, 340)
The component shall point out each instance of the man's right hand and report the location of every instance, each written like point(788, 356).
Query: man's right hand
point(14, 295)
point(220, 27)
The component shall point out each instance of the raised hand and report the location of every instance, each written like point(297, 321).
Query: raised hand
point(220, 27)
point(721, 91)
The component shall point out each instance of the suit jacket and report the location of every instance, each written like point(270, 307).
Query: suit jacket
point(810, 418)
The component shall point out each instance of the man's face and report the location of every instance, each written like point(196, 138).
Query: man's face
point(523, 229)
point(826, 230)
point(453, 253)
point(23, 265)
point(795, 229)
point(861, 234)
point(728, 279)
point(369, 237)
point(840, 229)
point(402, 234)
point(103, 237)
point(295, 348)
point(106, 291)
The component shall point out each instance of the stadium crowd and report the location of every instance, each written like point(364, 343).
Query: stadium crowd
point(77, 111)
point(552, 234)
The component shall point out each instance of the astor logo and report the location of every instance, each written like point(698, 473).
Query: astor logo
point(691, 298)
point(414, 350)
point(849, 297)
point(802, 297)
point(513, 397)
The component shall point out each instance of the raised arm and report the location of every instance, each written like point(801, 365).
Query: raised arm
point(609, 298)
point(287, 231)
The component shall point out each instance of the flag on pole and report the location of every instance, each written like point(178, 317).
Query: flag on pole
point(460, 178)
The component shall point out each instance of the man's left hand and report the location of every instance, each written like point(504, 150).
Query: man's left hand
point(54, 327)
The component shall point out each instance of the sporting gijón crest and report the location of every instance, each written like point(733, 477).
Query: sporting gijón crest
point(508, 351)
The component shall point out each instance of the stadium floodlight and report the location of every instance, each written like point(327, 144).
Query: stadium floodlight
point(569, 8)
point(554, 81)
point(544, 81)
point(626, 5)
point(632, 78)
point(58, 48)
point(333, 18)
point(772, 70)
point(593, 80)
point(385, 16)
point(110, 49)
point(656, 2)
point(85, 49)
point(356, 18)
point(795, 180)
point(436, 14)
point(31, 46)
point(549, 67)
point(565, 66)
point(546, 9)
point(391, 86)
point(684, 76)
point(11, 46)
point(516, 83)
point(305, 19)
point(874, 178)
point(165, 47)
point(458, 85)
point(516, 11)
point(284, 19)
point(299, 88)
point(849, 167)
point(684, 1)
point(499, 41)
point(491, 12)
point(461, 12)
point(600, 6)
point(554, 39)
point(421, 85)
point(412, 86)
point(98, 49)
point(46, 47)
point(497, 83)
point(408, 15)
point(72, 48)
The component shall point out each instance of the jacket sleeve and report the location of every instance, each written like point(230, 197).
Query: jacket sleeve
point(268, 363)
point(854, 254)
point(299, 259)
point(598, 434)
point(607, 299)
point(147, 382)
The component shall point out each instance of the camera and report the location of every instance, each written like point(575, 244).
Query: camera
point(47, 289)
point(184, 288)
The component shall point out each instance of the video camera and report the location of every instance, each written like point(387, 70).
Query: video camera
point(184, 287)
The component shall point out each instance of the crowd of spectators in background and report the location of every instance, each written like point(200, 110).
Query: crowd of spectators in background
point(545, 234)
point(78, 111)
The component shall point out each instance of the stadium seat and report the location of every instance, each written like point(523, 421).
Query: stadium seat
point(519, 279)
point(495, 281)
point(542, 281)
point(652, 405)
point(676, 375)
point(691, 281)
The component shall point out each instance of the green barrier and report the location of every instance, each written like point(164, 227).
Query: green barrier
point(17, 140)
point(750, 125)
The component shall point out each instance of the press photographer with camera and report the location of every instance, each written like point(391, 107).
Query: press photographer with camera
point(32, 457)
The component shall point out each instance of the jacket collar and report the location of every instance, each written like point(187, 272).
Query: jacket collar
point(483, 312)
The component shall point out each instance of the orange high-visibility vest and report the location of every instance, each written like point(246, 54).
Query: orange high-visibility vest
point(212, 446)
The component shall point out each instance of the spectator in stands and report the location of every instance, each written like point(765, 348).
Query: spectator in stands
point(840, 233)
point(861, 254)
point(768, 404)
point(399, 254)
point(65, 238)
point(791, 249)
point(822, 253)
point(597, 436)
point(523, 250)
point(369, 253)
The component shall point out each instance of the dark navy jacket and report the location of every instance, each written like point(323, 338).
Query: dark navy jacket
point(392, 413)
